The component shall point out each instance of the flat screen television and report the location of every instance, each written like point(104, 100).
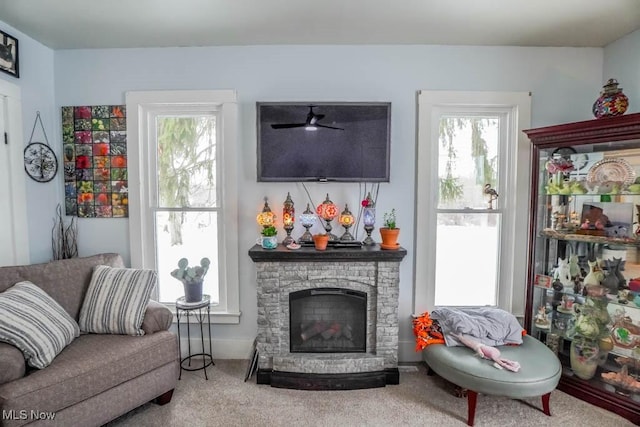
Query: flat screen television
point(320, 141)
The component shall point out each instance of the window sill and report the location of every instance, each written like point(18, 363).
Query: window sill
point(220, 317)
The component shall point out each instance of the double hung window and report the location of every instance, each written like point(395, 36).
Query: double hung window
point(183, 190)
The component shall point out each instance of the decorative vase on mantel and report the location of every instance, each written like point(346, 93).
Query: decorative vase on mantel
point(612, 102)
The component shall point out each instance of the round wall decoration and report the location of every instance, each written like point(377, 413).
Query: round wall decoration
point(40, 162)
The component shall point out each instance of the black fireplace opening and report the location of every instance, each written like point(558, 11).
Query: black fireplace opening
point(328, 320)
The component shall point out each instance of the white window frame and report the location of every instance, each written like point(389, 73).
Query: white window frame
point(142, 108)
point(514, 192)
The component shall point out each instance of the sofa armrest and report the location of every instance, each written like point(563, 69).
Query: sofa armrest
point(157, 318)
point(12, 363)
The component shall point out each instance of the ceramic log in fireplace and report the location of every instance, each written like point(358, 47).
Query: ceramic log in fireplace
point(327, 320)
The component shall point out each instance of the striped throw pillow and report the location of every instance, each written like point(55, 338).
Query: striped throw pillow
point(35, 323)
point(116, 300)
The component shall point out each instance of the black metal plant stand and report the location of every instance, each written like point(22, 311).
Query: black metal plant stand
point(197, 309)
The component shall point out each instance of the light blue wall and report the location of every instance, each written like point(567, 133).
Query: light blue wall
point(562, 81)
point(37, 91)
point(622, 62)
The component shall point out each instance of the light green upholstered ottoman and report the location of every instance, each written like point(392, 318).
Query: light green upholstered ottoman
point(539, 372)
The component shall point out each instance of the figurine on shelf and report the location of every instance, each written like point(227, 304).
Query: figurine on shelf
point(595, 275)
point(562, 273)
point(493, 195)
point(577, 187)
point(586, 224)
point(614, 280)
point(574, 268)
point(541, 319)
point(578, 285)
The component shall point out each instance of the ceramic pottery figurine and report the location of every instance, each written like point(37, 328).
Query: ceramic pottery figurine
point(563, 273)
point(595, 275)
point(574, 269)
point(614, 279)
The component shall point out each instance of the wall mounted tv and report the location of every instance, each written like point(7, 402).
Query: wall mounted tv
point(320, 141)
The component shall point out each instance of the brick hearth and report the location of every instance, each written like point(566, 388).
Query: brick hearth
point(370, 270)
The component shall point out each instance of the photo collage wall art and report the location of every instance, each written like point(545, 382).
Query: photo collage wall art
point(95, 161)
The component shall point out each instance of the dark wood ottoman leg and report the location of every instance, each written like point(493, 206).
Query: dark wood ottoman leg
point(472, 397)
point(164, 398)
point(545, 404)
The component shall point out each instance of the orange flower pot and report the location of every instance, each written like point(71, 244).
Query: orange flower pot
point(321, 241)
point(389, 238)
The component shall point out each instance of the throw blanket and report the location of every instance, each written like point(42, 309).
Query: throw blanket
point(487, 325)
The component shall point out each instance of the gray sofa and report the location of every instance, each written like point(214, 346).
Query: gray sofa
point(96, 378)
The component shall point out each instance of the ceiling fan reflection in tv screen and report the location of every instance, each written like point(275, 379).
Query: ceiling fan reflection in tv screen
point(321, 141)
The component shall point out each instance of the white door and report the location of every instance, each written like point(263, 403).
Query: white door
point(14, 239)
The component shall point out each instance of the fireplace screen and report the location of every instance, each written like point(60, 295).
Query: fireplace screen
point(328, 320)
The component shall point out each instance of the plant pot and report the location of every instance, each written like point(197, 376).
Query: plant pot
point(389, 238)
point(192, 291)
point(321, 241)
point(268, 242)
point(584, 357)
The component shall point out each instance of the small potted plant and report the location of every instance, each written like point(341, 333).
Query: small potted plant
point(390, 231)
point(191, 278)
point(269, 239)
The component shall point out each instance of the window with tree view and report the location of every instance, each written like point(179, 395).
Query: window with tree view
point(469, 212)
point(187, 212)
point(182, 145)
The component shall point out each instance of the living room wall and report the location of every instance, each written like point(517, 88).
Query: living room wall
point(622, 62)
point(563, 81)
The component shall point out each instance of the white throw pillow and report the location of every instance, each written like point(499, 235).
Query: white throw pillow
point(116, 300)
point(35, 323)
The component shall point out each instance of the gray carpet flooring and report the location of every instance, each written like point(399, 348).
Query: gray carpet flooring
point(419, 400)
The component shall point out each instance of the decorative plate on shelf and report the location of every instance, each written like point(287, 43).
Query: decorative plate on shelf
point(611, 170)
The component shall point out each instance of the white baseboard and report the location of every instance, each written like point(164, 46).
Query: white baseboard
point(221, 349)
point(407, 352)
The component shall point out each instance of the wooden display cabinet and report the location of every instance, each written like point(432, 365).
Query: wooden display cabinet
point(585, 202)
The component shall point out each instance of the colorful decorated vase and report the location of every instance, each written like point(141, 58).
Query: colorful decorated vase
point(612, 102)
point(584, 357)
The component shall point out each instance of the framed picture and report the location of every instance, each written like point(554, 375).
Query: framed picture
point(9, 54)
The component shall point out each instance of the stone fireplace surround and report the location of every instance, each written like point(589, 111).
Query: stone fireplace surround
point(368, 269)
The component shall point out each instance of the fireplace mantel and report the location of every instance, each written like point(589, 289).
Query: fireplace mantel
point(309, 253)
point(369, 270)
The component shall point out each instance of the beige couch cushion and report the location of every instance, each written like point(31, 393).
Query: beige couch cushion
point(90, 365)
point(116, 300)
point(66, 280)
point(12, 363)
point(35, 323)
